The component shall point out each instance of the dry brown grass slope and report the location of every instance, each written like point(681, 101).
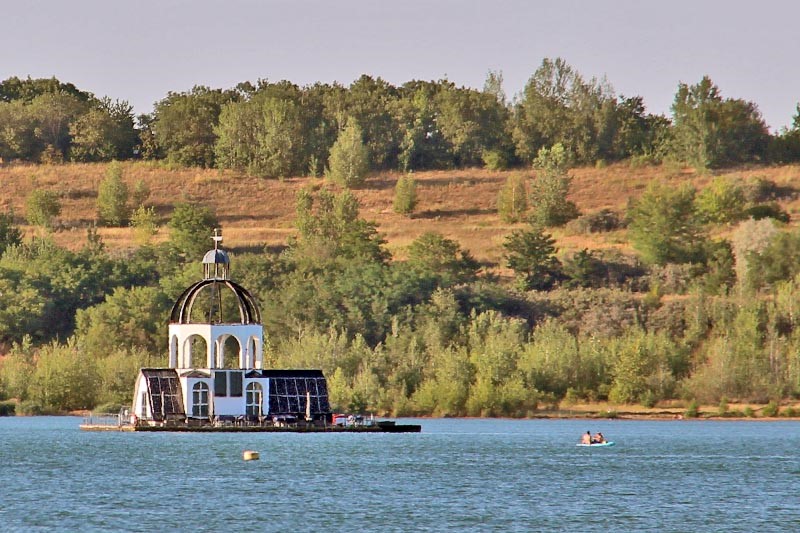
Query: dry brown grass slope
point(460, 204)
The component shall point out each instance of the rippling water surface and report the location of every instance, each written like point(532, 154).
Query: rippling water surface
point(465, 475)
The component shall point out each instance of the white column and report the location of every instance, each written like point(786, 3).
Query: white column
point(258, 348)
point(185, 352)
point(173, 352)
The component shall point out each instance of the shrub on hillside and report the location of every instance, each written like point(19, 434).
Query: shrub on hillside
point(770, 210)
point(531, 255)
point(144, 222)
point(512, 201)
point(760, 189)
point(663, 225)
point(405, 195)
point(495, 159)
point(10, 233)
point(42, 207)
point(599, 222)
point(672, 278)
point(721, 202)
point(549, 203)
point(112, 198)
point(348, 162)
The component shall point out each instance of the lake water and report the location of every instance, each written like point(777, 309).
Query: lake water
point(457, 475)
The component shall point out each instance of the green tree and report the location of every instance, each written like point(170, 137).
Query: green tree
point(531, 255)
point(137, 315)
point(721, 202)
point(785, 146)
point(431, 252)
point(371, 102)
point(778, 261)
point(494, 343)
point(663, 226)
point(112, 198)
point(549, 203)
point(191, 227)
point(91, 137)
point(117, 370)
point(16, 89)
point(17, 368)
point(405, 195)
point(642, 370)
point(10, 234)
point(749, 240)
point(144, 222)
point(18, 135)
point(472, 123)
point(104, 132)
point(447, 387)
point(348, 163)
point(736, 364)
point(559, 106)
point(263, 135)
point(555, 361)
point(65, 378)
point(184, 125)
point(141, 192)
point(585, 269)
point(332, 229)
point(710, 131)
point(24, 309)
point(42, 207)
point(422, 144)
point(512, 201)
point(53, 114)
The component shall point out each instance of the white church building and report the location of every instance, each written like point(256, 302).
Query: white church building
point(215, 373)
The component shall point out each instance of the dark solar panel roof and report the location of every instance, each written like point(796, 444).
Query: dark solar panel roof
point(289, 394)
point(164, 393)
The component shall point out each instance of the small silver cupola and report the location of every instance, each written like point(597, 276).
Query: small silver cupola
point(216, 263)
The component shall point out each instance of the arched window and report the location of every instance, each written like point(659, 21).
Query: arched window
point(200, 400)
point(254, 394)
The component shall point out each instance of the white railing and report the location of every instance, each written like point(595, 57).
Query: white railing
point(107, 420)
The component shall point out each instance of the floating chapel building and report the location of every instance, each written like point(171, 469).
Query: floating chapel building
point(215, 374)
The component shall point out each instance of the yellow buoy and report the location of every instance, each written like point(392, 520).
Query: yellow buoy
point(250, 455)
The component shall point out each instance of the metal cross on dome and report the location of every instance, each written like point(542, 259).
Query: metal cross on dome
point(217, 238)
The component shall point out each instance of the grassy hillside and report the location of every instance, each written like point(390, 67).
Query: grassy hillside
point(460, 204)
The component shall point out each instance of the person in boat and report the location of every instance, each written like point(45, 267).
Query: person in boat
point(598, 438)
point(586, 438)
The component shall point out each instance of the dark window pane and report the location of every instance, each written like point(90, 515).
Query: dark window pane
point(236, 383)
point(221, 384)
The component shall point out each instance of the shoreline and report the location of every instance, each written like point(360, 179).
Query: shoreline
point(605, 411)
point(665, 417)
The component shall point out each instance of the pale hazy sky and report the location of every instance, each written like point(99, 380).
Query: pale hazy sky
point(141, 49)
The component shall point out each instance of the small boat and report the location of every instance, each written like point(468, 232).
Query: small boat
point(597, 444)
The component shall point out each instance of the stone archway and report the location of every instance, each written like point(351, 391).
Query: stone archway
point(229, 352)
point(195, 352)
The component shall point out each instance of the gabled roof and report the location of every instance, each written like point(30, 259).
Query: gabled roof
point(195, 374)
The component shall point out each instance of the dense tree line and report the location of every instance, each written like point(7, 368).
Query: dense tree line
point(691, 317)
point(280, 129)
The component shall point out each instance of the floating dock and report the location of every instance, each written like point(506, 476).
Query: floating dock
point(399, 428)
point(115, 423)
